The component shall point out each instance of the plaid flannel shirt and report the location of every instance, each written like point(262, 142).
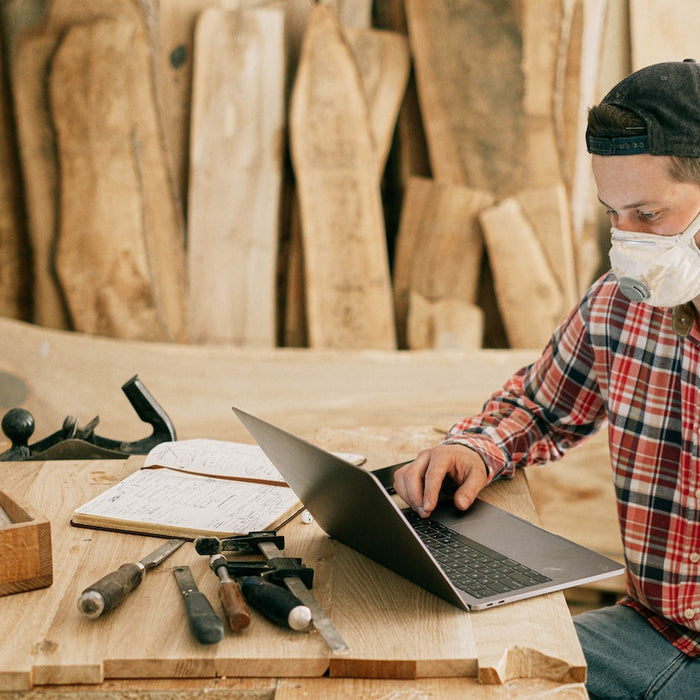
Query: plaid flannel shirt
point(637, 368)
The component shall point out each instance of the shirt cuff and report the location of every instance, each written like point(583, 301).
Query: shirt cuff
point(494, 460)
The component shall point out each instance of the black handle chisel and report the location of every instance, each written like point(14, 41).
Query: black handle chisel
point(110, 590)
point(206, 626)
point(277, 604)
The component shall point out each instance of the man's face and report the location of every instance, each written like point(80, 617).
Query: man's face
point(640, 195)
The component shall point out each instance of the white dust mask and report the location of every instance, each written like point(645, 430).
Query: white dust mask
point(658, 270)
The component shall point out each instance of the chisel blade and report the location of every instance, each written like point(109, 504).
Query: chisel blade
point(161, 554)
point(319, 619)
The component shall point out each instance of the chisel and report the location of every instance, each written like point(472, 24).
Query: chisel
point(270, 545)
point(110, 590)
point(206, 626)
point(232, 601)
point(277, 604)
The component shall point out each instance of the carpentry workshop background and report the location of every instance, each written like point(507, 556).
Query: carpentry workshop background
point(341, 175)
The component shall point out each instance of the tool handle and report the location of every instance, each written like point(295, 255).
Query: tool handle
point(276, 603)
point(233, 603)
point(110, 590)
point(206, 626)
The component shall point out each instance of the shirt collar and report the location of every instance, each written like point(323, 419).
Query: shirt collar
point(683, 319)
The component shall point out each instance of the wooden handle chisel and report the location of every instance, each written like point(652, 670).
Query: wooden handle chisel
point(105, 594)
point(230, 595)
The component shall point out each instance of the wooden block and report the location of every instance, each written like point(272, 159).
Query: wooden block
point(438, 259)
point(445, 324)
point(26, 561)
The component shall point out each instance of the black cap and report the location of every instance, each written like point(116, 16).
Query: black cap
point(666, 97)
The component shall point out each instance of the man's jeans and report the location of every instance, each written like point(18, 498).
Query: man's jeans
point(627, 658)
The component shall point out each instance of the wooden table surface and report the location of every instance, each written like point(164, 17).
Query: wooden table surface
point(404, 641)
point(394, 629)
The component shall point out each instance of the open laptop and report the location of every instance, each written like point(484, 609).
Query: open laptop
point(509, 558)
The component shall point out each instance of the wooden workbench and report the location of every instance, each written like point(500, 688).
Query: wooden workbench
point(356, 401)
point(395, 630)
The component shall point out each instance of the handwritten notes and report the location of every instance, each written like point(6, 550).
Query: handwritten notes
point(195, 487)
point(229, 460)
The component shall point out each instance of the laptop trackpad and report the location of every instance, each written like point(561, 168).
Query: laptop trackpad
point(514, 537)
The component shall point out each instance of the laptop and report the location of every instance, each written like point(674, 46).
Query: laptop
point(473, 559)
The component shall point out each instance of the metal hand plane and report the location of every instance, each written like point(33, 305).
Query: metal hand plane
point(73, 441)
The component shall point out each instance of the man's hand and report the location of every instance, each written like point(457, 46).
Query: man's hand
point(419, 482)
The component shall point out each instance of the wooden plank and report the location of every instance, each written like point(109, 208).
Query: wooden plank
point(384, 62)
point(516, 124)
point(236, 164)
point(410, 148)
point(663, 31)
point(53, 373)
point(176, 26)
point(176, 23)
point(432, 639)
point(443, 688)
point(438, 259)
point(487, 110)
point(111, 159)
point(353, 14)
point(38, 151)
point(100, 258)
point(348, 290)
point(15, 260)
point(547, 211)
point(531, 304)
point(585, 24)
point(36, 143)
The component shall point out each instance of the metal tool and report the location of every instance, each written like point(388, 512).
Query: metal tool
point(110, 590)
point(232, 601)
point(269, 544)
point(277, 604)
point(73, 441)
point(206, 626)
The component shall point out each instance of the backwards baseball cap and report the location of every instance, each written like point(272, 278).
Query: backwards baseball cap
point(666, 97)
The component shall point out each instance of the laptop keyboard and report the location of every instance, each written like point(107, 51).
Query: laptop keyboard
point(472, 567)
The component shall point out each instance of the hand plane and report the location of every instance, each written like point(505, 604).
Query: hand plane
point(73, 441)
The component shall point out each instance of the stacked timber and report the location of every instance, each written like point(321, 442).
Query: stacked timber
point(335, 174)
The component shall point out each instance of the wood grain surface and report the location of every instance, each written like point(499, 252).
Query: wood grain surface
point(346, 266)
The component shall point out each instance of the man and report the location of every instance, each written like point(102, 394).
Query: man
point(627, 356)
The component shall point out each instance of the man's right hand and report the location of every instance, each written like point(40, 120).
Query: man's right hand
point(419, 482)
